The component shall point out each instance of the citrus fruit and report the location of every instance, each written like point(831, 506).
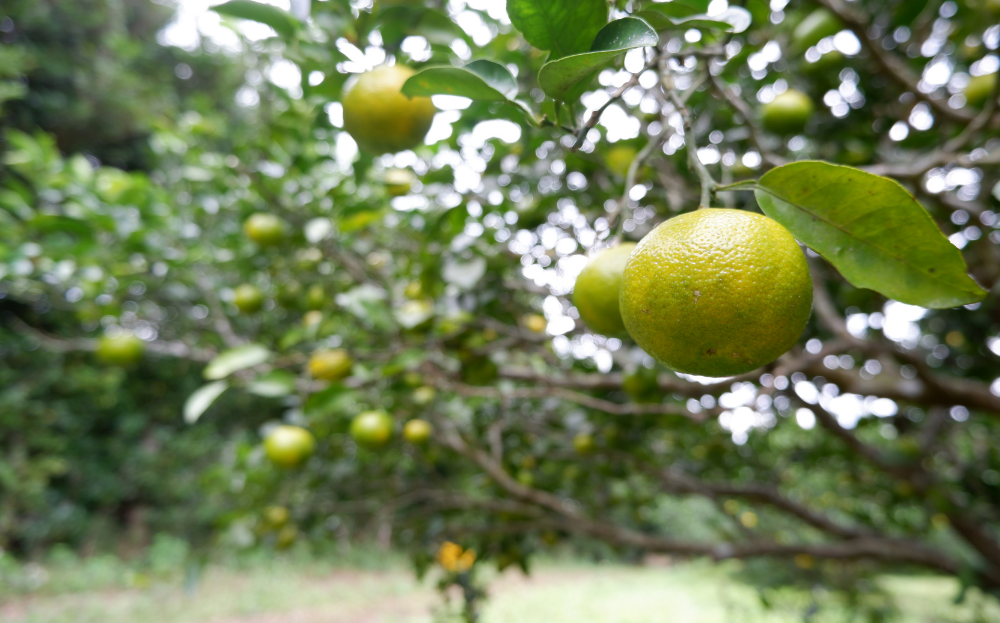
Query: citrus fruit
point(315, 297)
point(818, 25)
point(417, 431)
point(290, 294)
point(525, 477)
point(596, 291)
point(787, 113)
point(619, 158)
point(716, 292)
point(980, 88)
point(399, 181)
point(288, 446)
point(414, 290)
point(423, 395)
point(248, 298)
point(120, 350)
point(583, 443)
point(330, 365)
point(534, 322)
point(276, 516)
point(264, 229)
point(379, 117)
point(286, 537)
point(372, 429)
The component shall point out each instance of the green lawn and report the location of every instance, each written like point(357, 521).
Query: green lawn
point(283, 591)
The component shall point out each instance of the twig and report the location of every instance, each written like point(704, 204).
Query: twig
point(596, 115)
point(219, 318)
point(708, 183)
point(737, 102)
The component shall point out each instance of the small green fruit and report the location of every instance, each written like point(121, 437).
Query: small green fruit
point(264, 229)
point(120, 350)
point(787, 113)
point(289, 446)
point(248, 298)
point(372, 429)
point(417, 431)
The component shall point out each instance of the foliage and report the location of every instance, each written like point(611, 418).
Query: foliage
point(901, 472)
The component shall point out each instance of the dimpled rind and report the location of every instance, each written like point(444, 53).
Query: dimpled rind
point(596, 291)
point(716, 292)
point(380, 118)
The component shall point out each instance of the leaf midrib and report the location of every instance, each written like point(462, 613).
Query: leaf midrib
point(931, 276)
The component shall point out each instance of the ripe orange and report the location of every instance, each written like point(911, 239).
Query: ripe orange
point(716, 292)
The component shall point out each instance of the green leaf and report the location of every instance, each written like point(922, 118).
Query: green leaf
point(662, 17)
point(238, 358)
point(201, 399)
point(562, 26)
point(281, 21)
point(871, 229)
point(273, 384)
point(682, 8)
point(557, 77)
point(479, 80)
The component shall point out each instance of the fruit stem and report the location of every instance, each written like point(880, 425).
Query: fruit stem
point(708, 183)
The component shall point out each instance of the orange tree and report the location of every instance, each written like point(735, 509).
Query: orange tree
point(568, 126)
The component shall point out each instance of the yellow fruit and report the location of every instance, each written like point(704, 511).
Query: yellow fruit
point(398, 182)
point(818, 25)
point(423, 395)
point(120, 350)
point(716, 292)
point(619, 158)
point(330, 365)
point(372, 429)
point(312, 318)
point(534, 323)
point(248, 298)
point(264, 229)
point(980, 88)
point(596, 292)
point(787, 113)
point(276, 516)
point(288, 446)
point(414, 290)
point(380, 118)
point(583, 443)
point(417, 431)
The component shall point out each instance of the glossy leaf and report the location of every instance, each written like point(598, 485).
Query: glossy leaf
point(238, 358)
point(201, 399)
point(479, 80)
point(563, 27)
point(283, 22)
point(871, 229)
point(557, 77)
point(733, 19)
point(273, 384)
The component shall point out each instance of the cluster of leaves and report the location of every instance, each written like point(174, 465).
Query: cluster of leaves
point(428, 289)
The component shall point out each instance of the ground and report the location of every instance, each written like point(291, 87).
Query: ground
point(555, 593)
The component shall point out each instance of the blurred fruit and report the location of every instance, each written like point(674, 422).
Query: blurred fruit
point(417, 431)
point(716, 292)
point(312, 318)
point(276, 516)
point(264, 229)
point(980, 88)
point(412, 378)
point(818, 25)
point(423, 395)
point(642, 385)
point(414, 290)
point(454, 559)
point(399, 181)
point(290, 294)
point(526, 477)
point(330, 365)
point(583, 443)
point(289, 446)
point(787, 113)
point(372, 429)
point(534, 322)
point(286, 537)
point(315, 297)
point(619, 158)
point(248, 298)
point(380, 118)
point(121, 350)
point(596, 291)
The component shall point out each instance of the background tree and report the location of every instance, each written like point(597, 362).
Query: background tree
point(868, 446)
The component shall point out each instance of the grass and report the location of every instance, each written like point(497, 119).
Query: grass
point(363, 589)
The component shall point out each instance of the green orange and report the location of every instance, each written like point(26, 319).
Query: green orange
point(289, 446)
point(380, 118)
point(372, 429)
point(818, 25)
point(248, 298)
point(787, 113)
point(980, 88)
point(596, 291)
point(264, 229)
point(716, 292)
point(330, 365)
point(417, 431)
point(120, 350)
